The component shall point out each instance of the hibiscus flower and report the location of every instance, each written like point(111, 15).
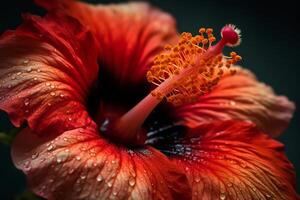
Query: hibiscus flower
point(96, 129)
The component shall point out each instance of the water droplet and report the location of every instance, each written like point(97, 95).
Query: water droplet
point(131, 181)
point(83, 177)
point(50, 148)
point(52, 93)
point(197, 179)
point(38, 70)
point(65, 139)
point(26, 61)
point(62, 95)
point(222, 196)
point(26, 103)
point(109, 184)
point(70, 119)
point(35, 78)
point(29, 69)
point(115, 193)
point(34, 156)
point(71, 171)
point(113, 161)
point(52, 86)
point(99, 178)
point(232, 103)
point(78, 158)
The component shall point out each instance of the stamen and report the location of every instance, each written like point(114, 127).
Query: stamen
point(197, 63)
point(181, 74)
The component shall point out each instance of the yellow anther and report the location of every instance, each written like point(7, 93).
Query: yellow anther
point(212, 39)
point(205, 41)
point(168, 47)
point(204, 73)
point(238, 58)
point(202, 30)
point(233, 54)
point(209, 31)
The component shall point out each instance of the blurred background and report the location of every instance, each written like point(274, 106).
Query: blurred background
point(270, 48)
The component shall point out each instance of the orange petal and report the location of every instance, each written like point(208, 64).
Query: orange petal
point(44, 77)
point(233, 160)
point(79, 164)
point(129, 35)
point(240, 97)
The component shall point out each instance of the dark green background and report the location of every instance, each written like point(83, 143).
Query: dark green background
point(270, 48)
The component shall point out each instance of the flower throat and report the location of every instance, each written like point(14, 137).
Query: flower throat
point(181, 73)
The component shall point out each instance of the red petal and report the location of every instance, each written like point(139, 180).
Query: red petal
point(46, 71)
point(79, 164)
point(240, 97)
point(233, 160)
point(129, 35)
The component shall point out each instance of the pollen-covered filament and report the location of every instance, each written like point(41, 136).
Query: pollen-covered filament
point(182, 73)
point(192, 67)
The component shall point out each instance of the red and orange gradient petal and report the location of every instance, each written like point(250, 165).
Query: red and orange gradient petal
point(240, 97)
point(46, 72)
point(129, 35)
point(233, 160)
point(79, 164)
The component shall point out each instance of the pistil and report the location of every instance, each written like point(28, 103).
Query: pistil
point(181, 74)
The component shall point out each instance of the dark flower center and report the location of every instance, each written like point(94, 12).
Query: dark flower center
point(109, 99)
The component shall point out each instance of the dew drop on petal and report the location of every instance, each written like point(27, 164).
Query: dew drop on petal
point(26, 103)
point(232, 103)
point(71, 171)
point(34, 156)
point(131, 181)
point(99, 178)
point(222, 196)
point(78, 158)
point(197, 179)
point(50, 148)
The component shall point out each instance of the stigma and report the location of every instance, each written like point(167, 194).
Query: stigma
point(193, 66)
